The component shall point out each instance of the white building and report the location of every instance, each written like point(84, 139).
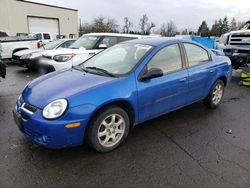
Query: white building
point(24, 17)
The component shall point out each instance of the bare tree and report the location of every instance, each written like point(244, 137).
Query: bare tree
point(171, 29)
point(127, 25)
point(163, 30)
point(100, 24)
point(143, 24)
point(150, 26)
point(112, 25)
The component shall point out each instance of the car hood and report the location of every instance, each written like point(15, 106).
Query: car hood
point(61, 85)
point(240, 32)
point(52, 53)
point(26, 52)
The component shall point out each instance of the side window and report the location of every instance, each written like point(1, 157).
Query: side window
point(38, 36)
point(109, 41)
point(195, 54)
point(167, 59)
point(122, 39)
point(66, 44)
point(46, 36)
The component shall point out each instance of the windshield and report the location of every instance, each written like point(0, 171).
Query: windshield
point(246, 26)
point(87, 42)
point(52, 45)
point(117, 60)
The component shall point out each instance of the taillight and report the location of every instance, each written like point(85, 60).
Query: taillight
point(38, 44)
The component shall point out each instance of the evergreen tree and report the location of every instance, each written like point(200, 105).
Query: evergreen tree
point(233, 25)
point(225, 26)
point(203, 30)
point(215, 31)
point(220, 26)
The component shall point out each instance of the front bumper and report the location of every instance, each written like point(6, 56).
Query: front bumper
point(49, 133)
point(238, 57)
point(26, 63)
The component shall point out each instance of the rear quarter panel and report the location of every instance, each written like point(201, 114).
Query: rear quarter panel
point(9, 47)
point(223, 68)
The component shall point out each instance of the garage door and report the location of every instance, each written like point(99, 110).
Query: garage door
point(43, 25)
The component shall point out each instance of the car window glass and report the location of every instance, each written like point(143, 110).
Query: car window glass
point(122, 39)
point(46, 36)
point(109, 41)
point(195, 54)
point(66, 44)
point(119, 59)
point(87, 42)
point(167, 59)
point(38, 36)
point(52, 45)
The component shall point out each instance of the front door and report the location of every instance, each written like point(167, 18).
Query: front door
point(160, 95)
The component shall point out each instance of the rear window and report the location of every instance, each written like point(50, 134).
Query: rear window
point(46, 36)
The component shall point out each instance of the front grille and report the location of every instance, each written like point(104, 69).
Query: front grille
point(239, 39)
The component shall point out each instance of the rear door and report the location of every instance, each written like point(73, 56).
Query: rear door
point(159, 95)
point(200, 71)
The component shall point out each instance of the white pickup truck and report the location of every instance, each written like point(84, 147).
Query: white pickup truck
point(10, 45)
point(236, 45)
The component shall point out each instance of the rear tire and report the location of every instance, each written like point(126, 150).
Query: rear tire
point(108, 129)
point(215, 96)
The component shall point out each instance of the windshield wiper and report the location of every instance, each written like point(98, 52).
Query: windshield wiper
point(80, 68)
point(101, 70)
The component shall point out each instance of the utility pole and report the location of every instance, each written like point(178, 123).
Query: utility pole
point(2, 65)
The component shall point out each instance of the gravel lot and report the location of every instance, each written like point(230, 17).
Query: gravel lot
point(191, 147)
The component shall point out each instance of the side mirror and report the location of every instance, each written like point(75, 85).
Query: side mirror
point(102, 46)
point(151, 73)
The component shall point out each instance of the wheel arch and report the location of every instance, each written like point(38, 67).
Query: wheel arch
point(125, 105)
point(224, 79)
point(18, 49)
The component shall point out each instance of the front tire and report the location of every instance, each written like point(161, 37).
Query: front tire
point(215, 96)
point(108, 129)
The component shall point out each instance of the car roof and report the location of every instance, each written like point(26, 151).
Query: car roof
point(113, 34)
point(155, 41)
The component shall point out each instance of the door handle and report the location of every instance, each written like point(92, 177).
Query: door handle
point(183, 80)
point(212, 71)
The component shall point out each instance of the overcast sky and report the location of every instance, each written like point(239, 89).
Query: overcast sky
point(185, 13)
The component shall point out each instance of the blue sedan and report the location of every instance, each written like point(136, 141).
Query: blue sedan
point(102, 99)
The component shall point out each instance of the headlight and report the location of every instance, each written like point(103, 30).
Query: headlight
point(63, 58)
point(27, 56)
point(55, 109)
